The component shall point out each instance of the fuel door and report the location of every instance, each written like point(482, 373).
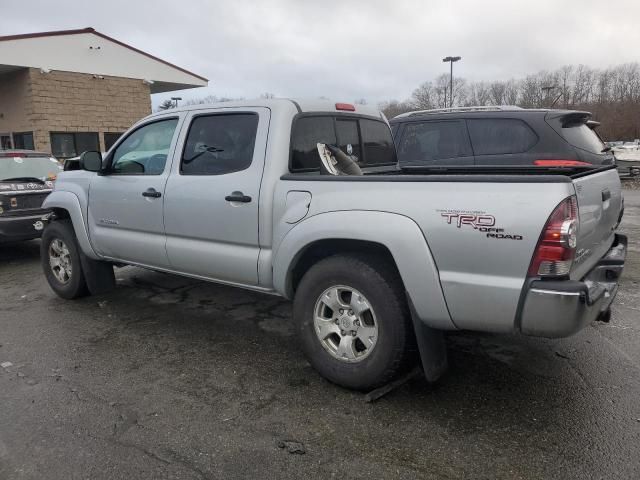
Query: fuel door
point(297, 206)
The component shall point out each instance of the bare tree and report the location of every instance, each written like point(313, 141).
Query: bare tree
point(210, 99)
point(530, 92)
point(166, 105)
point(478, 95)
point(392, 108)
point(423, 97)
point(565, 75)
point(511, 92)
point(498, 91)
point(612, 95)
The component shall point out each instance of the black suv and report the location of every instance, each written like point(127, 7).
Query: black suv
point(26, 179)
point(486, 136)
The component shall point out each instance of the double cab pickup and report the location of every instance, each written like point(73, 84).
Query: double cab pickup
point(378, 265)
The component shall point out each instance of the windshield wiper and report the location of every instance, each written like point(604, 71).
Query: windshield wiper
point(605, 149)
point(206, 149)
point(23, 179)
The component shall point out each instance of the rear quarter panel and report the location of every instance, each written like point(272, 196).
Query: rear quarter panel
point(481, 277)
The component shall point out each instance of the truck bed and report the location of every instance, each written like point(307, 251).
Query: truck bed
point(481, 276)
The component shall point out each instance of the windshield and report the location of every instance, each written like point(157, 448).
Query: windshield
point(42, 168)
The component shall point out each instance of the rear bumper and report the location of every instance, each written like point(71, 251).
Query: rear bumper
point(18, 228)
point(561, 308)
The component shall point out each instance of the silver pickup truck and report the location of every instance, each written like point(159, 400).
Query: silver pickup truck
point(378, 265)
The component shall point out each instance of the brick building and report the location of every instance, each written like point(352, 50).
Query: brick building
point(69, 91)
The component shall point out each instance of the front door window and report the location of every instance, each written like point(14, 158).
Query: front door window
point(144, 152)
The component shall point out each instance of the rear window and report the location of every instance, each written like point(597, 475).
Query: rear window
point(349, 138)
point(499, 136)
point(378, 143)
point(582, 137)
point(307, 132)
point(369, 142)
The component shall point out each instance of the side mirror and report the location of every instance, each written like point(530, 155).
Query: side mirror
point(91, 161)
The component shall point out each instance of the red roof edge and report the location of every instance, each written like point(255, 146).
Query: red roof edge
point(55, 33)
point(106, 37)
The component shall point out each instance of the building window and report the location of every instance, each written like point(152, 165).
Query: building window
point(5, 141)
point(110, 138)
point(72, 144)
point(23, 140)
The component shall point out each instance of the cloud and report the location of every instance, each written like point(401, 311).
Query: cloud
point(348, 49)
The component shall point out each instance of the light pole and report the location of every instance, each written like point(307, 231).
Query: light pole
point(175, 99)
point(451, 60)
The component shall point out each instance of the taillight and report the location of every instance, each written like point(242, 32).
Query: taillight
point(561, 163)
point(557, 245)
point(346, 107)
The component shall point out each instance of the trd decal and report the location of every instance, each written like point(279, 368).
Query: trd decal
point(477, 220)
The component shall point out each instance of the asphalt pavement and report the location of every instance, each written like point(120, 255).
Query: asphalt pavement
point(173, 378)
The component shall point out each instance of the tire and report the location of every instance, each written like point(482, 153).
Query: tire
point(371, 359)
point(61, 263)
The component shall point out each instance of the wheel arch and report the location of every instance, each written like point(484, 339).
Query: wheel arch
point(66, 205)
point(395, 237)
point(326, 247)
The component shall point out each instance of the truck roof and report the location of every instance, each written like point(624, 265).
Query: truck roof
point(302, 105)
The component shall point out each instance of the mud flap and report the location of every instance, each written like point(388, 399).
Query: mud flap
point(432, 348)
point(98, 275)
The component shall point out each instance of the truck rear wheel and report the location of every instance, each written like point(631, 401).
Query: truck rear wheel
point(60, 258)
point(353, 320)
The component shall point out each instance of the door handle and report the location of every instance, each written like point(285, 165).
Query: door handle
point(238, 197)
point(151, 192)
point(606, 194)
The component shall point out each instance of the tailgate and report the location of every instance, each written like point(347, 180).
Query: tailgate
point(599, 204)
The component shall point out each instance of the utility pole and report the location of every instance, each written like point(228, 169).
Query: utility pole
point(175, 99)
point(451, 60)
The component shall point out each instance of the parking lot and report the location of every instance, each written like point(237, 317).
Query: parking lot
point(173, 378)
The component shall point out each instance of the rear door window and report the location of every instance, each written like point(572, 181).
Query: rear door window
point(219, 144)
point(582, 137)
point(500, 136)
point(426, 142)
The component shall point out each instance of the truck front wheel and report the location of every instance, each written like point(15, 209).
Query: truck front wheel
point(60, 258)
point(353, 321)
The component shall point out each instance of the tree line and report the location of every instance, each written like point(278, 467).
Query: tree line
point(167, 104)
point(612, 95)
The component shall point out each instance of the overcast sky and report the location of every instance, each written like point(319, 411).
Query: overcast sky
point(344, 49)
